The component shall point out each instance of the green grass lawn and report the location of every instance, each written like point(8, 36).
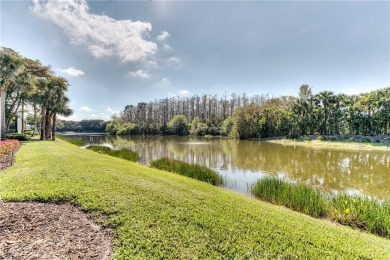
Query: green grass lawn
point(160, 215)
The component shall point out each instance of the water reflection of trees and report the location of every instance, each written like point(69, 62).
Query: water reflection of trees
point(329, 169)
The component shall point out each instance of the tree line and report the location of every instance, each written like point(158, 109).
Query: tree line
point(87, 125)
point(240, 116)
point(206, 114)
point(26, 82)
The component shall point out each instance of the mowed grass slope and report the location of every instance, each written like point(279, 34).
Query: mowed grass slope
point(156, 214)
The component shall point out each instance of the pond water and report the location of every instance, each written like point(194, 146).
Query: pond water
point(242, 162)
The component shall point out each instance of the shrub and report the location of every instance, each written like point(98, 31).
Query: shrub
point(8, 146)
point(332, 138)
point(292, 136)
point(122, 153)
point(320, 137)
point(178, 125)
point(20, 137)
point(194, 171)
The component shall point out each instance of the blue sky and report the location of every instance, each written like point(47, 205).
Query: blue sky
point(116, 53)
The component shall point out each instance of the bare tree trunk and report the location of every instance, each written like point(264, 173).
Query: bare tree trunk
point(35, 119)
point(53, 127)
point(3, 92)
point(23, 116)
point(47, 125)
point(43, 120)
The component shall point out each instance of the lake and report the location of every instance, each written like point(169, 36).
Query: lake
point(242, 162)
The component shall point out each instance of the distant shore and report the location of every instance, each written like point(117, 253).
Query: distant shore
point(341, 142)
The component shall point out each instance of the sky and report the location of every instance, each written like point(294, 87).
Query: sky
point(117, 53)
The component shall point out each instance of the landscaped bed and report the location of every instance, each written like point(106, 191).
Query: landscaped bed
point(49, 231)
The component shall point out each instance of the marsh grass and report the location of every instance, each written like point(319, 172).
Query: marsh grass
point(194, 171)
point(122, 153)
point(361, 212)
point(298, 197)
point(364, 213)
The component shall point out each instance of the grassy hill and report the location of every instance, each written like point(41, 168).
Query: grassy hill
point(156, 214)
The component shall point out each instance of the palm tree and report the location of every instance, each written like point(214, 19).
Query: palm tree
point(63, 110)
point(56, 104)
point(11, 66)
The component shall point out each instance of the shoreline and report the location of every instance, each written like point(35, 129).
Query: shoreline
point(137, 201)
point(382, 143)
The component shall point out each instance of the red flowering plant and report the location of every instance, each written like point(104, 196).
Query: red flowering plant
point(8, 146)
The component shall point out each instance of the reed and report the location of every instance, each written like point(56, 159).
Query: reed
point(364, 213)
point(298, 197)
point(194, 171)
point(122, 153)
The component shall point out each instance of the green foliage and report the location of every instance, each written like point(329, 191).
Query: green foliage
point(198, 128)
point(366, 140)
point(320, 138)
point(178, 125)
point(227, 126)
point(292, 136)
point(360, 212)
point(158, 215)
point(298, 197)
point(20, 137)
point(119, 127)
point(122, 153)
point(91, 125)
point(194, 171)
point(270, 119)
point(28, 132)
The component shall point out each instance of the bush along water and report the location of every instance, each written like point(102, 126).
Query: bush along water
point(122, 153)
point(364, 213)
point(194, 171)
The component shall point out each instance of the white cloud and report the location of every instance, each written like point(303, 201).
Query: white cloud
point(165, 81)
point(85, 109)
point(102, 35)
point(151, 63)
point(174, 60)
point(139, 74)
point(71, 71)
point(93, 116)
point(167, 47)
point(183, 92)
point(112, 111)
point(162, 36)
